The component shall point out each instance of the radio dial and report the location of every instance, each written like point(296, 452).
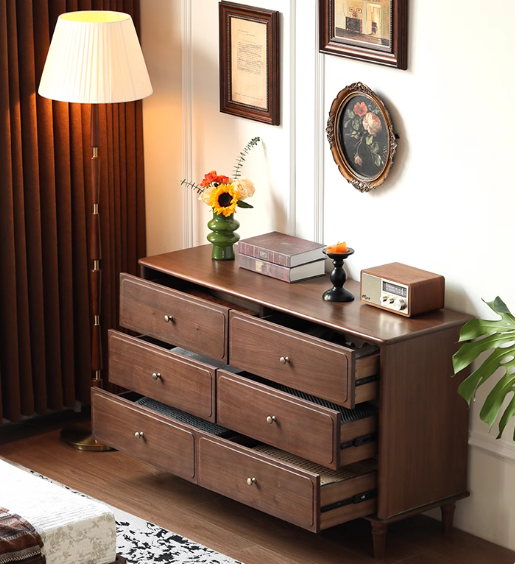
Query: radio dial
point(401, 304)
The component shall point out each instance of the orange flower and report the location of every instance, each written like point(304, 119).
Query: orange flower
point(213, 177)
point(360, 109)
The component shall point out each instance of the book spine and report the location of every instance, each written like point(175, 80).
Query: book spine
point(262, 267)
point(264, 254)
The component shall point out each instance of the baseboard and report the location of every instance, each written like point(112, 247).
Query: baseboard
point(490, 444)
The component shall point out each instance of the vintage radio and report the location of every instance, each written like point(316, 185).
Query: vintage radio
point(402, 289)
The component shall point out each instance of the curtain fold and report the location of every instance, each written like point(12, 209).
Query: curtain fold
point(45, 216)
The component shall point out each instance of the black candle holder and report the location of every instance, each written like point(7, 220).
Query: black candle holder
point(338, 277)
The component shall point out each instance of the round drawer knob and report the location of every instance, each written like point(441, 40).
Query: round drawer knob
point(156, 376)
point(138, 434)
point(251, 481)
point(168, 318)
point(284, 359)
point(271, 419)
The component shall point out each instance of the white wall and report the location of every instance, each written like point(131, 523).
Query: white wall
point(446, 206)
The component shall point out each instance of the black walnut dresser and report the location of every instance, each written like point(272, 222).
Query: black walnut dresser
point(314, 412)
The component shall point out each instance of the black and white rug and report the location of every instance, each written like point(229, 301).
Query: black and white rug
point(142, 542)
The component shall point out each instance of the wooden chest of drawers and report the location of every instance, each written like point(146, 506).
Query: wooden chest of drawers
point(314, 412)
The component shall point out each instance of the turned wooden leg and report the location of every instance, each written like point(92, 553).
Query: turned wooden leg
point(379, 537)
point(448, 517)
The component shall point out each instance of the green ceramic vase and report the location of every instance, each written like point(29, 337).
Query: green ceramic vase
point(223, 236)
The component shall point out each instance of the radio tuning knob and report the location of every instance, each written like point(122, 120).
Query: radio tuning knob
point(402, 304)
point(391, 300)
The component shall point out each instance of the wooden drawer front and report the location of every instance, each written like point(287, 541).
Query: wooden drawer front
point(279, 419)
point(315, 366)
point(162, 375)
point(279, 489)
point(196, 325)
point(165, 444)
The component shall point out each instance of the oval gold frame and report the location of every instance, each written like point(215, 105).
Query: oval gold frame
point(361, 183)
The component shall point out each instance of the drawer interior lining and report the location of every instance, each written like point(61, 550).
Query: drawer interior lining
point(182, 416)
point(205, 359)
point(360, 347)
point(327, 476)
point(361, 411)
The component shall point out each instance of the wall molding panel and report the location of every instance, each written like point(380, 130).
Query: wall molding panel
point(187, 121)
point(292, 212)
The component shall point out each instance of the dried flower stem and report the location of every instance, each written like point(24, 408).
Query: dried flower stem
point(241, 157)
point(193, 186)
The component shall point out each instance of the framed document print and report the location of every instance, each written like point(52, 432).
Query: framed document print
point(369, 30)
point(249, 62)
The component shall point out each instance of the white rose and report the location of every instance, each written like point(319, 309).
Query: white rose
point(206, 194)
point(244, 188)
point(372, 124)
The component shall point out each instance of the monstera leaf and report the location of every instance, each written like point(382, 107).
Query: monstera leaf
point(499, 337)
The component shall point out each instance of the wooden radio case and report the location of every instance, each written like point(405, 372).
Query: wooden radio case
point(402, 289)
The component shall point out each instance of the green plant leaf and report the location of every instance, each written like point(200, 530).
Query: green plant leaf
point(509, 412)
point(355, 124)
point(495, 399)
point(370, 139)
point(498, 337)
point(377, 160)
point(351, 114)
point(242, 204)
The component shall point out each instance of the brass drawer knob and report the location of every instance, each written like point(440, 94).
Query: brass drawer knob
point(271, 419)
point(284, 359)
point(168, 318)
point(156, 376)
point(251, 481)
point(138, 434)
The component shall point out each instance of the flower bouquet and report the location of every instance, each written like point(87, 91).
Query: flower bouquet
point(224, 195)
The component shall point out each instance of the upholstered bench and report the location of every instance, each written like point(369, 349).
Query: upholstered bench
point(74, 529)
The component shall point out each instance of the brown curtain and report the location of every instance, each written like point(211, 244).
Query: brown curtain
point(45, 215)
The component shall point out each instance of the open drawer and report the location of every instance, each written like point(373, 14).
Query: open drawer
point(162, 374)
point(302, 361)
point(174, 317)
point(285, 486)
point(144, 434)
point(314, 429)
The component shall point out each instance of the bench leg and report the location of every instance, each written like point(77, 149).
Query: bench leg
point(448, 518)
point(379, 531)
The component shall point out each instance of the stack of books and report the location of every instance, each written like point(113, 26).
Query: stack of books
point(282, 256)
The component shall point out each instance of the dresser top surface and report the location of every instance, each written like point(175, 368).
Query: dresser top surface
point(302, 299)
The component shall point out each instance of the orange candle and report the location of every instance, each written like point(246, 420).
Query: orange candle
point(341, 247)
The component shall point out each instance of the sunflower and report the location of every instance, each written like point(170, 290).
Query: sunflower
point(224, 199)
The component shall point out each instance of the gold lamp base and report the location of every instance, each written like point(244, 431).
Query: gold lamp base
point(79, 436)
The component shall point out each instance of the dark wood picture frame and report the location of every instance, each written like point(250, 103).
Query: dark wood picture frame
point(361, 136)
point(267, 109)
point(350, 41)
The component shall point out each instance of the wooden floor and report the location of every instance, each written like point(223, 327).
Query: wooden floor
point(227, 526)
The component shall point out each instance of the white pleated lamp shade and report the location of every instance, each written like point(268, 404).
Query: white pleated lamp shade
point(95, 58)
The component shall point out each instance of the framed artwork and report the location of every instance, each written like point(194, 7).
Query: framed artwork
point(249, 62)
point(361, 135)
point(369, 30)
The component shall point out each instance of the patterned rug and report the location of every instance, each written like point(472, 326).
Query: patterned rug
point(142, 542)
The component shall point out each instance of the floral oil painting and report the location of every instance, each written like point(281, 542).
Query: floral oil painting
point(363, 22)
point(361, 136)
point(364, 137)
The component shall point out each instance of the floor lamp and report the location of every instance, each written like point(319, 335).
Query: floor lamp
point(94, 58)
